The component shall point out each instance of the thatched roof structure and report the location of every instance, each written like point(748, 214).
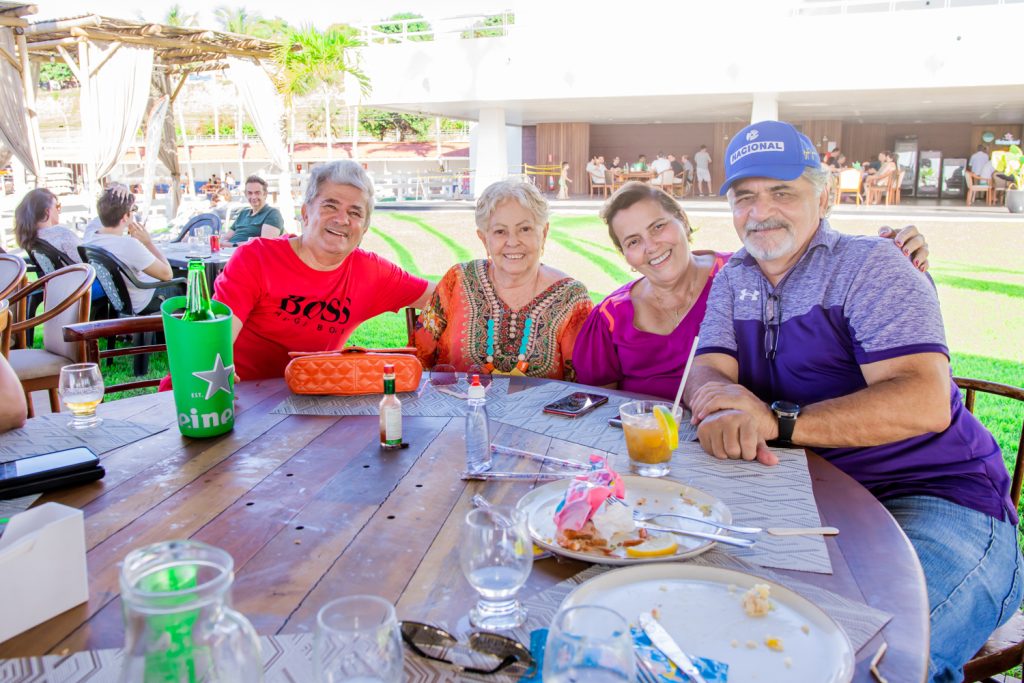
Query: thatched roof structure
point(176, 49)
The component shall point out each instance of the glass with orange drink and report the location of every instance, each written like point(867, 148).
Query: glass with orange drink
point(652, 433)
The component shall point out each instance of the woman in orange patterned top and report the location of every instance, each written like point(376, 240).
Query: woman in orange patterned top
point(508, 313)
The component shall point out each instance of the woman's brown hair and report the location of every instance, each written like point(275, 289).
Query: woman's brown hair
point(32, 209)
point(635, 192)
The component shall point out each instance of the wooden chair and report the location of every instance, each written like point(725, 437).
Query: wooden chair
point(874, 193)
point(997, 196)
point(113, 274)
point(596, 187)
point(410, 325)
point(974, 188)
point(66, 298)
point(848, 183)
point(12, 274)
point(1005, 647)
point(89, 334)
point(5, 328)
point(895, 195)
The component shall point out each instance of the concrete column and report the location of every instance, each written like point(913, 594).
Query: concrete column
point(489, 156)
point(765, 107)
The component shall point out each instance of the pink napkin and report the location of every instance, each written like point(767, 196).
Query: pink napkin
point(587, 493)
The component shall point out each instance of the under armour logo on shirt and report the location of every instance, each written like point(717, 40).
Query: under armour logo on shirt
point(753, 295)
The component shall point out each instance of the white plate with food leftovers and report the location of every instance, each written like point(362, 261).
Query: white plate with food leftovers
point(762, 630)
point(603, 531)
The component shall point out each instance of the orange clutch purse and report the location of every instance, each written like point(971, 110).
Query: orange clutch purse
point(352, 371)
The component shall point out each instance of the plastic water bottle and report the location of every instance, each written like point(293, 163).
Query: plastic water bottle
point(478, 436)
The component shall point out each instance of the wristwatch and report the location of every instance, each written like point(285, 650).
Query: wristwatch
point(786, 413)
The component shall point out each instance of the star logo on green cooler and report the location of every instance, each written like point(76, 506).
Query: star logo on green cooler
point(217, 379)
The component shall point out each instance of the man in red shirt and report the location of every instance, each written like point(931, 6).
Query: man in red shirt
point(309, 292)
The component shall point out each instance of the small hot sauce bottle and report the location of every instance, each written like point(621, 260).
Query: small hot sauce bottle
point(390, 413)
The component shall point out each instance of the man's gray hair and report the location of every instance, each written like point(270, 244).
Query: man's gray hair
point(525, 194)
point(817, 177)
point(344, 172)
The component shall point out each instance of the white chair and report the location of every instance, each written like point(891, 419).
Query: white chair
point(66, 298)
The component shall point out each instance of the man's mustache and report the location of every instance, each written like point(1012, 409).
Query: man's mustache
point(769, 224)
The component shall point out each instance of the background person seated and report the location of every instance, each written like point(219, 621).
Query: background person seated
point(259, 219)
point(135, 249)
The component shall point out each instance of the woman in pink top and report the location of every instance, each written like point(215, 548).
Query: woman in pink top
point(639, 337)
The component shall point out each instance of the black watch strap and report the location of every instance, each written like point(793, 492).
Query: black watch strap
point(786, 414)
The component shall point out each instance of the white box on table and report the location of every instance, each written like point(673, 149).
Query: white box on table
point(42, 566)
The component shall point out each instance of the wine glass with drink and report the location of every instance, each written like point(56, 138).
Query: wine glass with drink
point(496, 557)
point(81, 390)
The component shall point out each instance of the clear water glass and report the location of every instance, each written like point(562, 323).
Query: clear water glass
point(589, 644)
point(357, 640)
point(81, 389)
point(496, 555)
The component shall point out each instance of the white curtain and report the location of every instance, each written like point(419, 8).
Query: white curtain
point(154, 132)
point(168, 140)
point(266, 109)
point(117, 102)
point(13, 127)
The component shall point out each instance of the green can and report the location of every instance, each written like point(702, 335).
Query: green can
point(202, 369)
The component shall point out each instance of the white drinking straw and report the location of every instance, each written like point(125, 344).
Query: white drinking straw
point(686, 373)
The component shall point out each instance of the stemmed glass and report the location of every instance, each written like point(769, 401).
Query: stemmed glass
point(81, 390)
point(357, 639)
point(589, 643)
point(496, 555)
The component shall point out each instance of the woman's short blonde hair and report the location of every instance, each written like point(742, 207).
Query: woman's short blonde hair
point(635, 192)
point(525, 194)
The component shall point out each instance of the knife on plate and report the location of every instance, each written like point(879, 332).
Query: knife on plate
point(663, 641)
point(718, 538)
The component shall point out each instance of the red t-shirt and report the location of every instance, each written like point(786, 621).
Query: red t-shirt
point(284, 305)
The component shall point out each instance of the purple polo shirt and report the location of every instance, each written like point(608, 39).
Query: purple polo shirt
point(850, 301)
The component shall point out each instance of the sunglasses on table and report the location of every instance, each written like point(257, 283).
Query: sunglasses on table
point(434, 643)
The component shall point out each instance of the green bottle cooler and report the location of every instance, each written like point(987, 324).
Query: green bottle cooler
point(202, 370)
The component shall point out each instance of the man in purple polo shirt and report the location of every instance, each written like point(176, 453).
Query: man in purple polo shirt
point(835, 342)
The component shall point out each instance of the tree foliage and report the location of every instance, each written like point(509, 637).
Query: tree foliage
point(393, 24)
point(176, 16)
point(380, 123)
point(55, 71)
point(480, 29)
point(323, 61)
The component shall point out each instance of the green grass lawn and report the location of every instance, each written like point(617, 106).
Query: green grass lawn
point(979, 281)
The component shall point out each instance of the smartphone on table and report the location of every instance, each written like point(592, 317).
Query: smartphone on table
point(47, 471)
point(575, 404)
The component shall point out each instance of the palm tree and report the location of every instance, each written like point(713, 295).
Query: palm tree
point(176, 16)
point(238, 20)
point(323, 61)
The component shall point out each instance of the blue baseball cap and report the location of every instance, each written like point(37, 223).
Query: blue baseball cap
point(768, 149)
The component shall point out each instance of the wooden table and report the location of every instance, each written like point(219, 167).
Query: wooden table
point(310, 508)
point(642, 176)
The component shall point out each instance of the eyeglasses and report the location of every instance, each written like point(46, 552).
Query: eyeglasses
point(772, 325)
point(433, 643)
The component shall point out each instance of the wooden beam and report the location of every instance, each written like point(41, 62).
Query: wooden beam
point(61, 25)
point(47, 44)
point(14, 22)
point(22, 11)
point(94, 34)
point(181, 84)
point(114, 47)
point(70, 61)
point(10, 58)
